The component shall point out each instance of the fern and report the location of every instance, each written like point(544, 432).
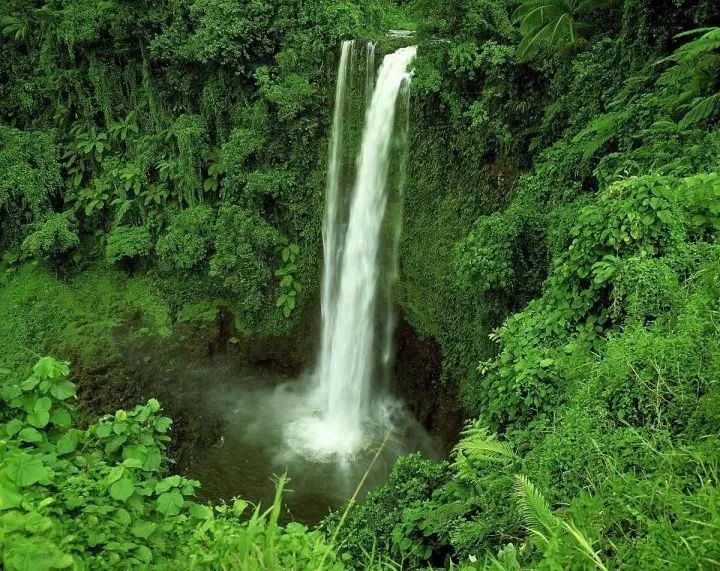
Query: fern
point(707, 43)
point(537, 513)
point(534, 507)
point(597, 133)
point(479, 445)
point(694, 76)
point(703, 110)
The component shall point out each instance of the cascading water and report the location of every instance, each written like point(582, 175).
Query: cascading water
point(353, 326)
point(312, 430)
point(333, 237)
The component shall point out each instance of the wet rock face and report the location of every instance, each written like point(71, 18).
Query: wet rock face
point(418, 364)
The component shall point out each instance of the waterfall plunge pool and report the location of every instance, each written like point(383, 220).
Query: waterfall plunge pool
point(255, 406)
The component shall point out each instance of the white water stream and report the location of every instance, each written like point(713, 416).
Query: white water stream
point(355, 343)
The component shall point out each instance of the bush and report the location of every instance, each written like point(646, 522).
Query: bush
point(642, 217)
point(56, 236)
point(101, 497)
point(127, 244)
point(244, 253)
point(186, 244)
point(369, 525)
point(30, 177)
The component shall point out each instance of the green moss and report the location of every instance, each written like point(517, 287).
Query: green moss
point(43, 314)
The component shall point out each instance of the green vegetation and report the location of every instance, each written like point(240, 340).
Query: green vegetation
point(559, 242)
point(101, 496)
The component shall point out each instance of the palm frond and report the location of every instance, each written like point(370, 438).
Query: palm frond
point(531, 44)
point(530, 6)
point(538, 18)
point(551, 24)
point(563, 34)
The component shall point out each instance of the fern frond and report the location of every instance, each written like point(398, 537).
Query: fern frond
point(478, 443)
point(705, 44)
point(597, 133)
point(676, 75)
point(534, 507)
point(695, 32)
point(476, 449)
point(704, 109)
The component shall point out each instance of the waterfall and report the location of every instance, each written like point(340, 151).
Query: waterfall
point(333, 237)
point(357, 325)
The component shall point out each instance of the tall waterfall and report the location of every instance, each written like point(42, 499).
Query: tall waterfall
point(357, 326)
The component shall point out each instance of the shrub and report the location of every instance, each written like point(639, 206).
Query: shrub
point(101, 496)
point(186, 243)
point(30, 177)
point(56, 236)
point(639, 217)
point(126, 244)
point(244, 251)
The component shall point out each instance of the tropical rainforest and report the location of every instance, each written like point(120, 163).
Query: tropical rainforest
point(162, 182)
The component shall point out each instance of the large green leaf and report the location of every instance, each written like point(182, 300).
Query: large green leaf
point(49, 368)
point(170, 503)
point(143, 529)
point(39, 419)
point(61, 418)
point(26, 470)
point(153, 460)
point(122, 489)
point(10, 496)
point(63, 390)
point(162, 424)
point(135, 452)
point(67, 443)
point(30, 383)
point(14, 426)
point(30, 435)
point(103, 430)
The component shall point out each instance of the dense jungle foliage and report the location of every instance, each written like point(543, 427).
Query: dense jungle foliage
point(162, 159)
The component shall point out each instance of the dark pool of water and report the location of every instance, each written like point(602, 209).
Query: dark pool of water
point(255, 407)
